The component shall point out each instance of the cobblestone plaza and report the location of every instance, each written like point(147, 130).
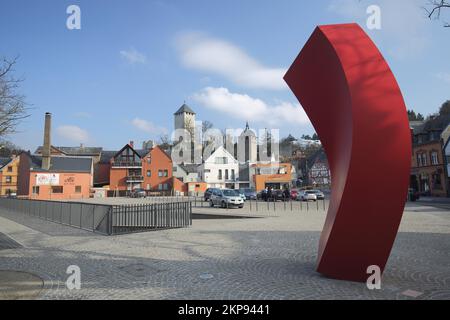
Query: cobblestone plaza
point(244, 258)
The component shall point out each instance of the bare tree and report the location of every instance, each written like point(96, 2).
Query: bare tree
point(164, 141)
point(7, 149)
point(206, 125)
point(435, 7)
point(13, 108)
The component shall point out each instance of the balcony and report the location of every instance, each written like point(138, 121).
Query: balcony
point(135, 178)
point(126, 164)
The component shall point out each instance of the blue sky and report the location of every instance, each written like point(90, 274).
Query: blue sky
point(133, 63)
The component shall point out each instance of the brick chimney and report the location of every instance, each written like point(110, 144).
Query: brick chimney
point(131, 144)
point(46, 148)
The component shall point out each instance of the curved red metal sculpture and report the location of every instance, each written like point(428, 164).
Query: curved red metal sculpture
point(355, 104)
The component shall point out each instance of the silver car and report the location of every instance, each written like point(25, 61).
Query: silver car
point(138, 193)
point(319, 194)
point(307, 195)
point(226, 198)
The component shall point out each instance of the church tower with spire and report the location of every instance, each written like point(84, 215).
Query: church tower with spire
point(248, 146)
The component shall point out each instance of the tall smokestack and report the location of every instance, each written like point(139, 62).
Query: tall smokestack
point(46, 149)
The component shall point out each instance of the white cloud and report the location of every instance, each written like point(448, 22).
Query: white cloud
point(147, 126)
point(200, 52)
point(404, 27)
point(444, 77)
point(133, 56)
point(245, 107)
point(73, 134)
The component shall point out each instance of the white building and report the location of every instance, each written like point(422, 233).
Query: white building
point(186, 172)
point(220, 170)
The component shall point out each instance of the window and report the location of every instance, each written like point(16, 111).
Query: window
point(220, 174)
point(166, 173)
point(35, 190)
point(8, 179)
point(166, 186)
point(226, 174)
point(148, 186)
point(160, 173)
point(434, 158)
point(419, 160)
point(57, 189)
point(174, 169)
point(424, 159)
point(222, 160)
point(233, 176)
point(149, 173)
point(160, 187)
point(77, 189)
point(149, 160)
point(10, 169)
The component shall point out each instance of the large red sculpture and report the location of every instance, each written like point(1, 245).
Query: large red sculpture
point(355, 104)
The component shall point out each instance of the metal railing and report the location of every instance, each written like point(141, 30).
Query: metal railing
point(269, 207)
point(142, 217)
point(126, 164)
point(90, 217)
point(135, 178)
point(106, 219)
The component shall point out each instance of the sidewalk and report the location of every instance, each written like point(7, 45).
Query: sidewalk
point(443, 203)
point(16, 285)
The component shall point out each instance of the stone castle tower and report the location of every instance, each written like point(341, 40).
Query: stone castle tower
point(184, 118)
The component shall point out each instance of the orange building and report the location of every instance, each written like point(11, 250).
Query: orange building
point(157, 170)
point(8, 176)
point(147, 169)
point(272, 175)
point(66, 178)
point(189, 188)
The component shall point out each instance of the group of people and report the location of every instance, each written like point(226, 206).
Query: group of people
point(270, 194)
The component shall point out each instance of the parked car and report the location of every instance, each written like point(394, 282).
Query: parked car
point(262, 195)
point(250, 194)
point(226, 198)
point(241, 194)
point(307, 196)
point(277, 195)
point(294, 194)
point(138, 193)
point(319, 194)
point(208, 193)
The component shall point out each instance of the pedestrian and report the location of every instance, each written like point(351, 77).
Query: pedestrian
point(269, 193)
point(287, 193)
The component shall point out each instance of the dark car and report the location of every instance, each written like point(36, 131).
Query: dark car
point(262, 195)
point(250, 194)
point(208, 193)
point(273, 195)
point(280, 195)
point(138, 193)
